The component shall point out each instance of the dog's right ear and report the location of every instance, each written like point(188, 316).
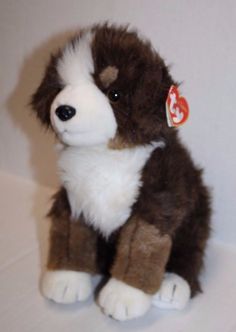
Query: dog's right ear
point(50, 86)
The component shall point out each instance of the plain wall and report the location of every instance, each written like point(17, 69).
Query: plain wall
point(196, 37)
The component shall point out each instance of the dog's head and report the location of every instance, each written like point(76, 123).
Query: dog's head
point(106, 86)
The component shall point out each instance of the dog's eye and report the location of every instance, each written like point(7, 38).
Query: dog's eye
point(113, 95)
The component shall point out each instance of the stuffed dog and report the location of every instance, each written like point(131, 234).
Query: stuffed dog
point(132, 204)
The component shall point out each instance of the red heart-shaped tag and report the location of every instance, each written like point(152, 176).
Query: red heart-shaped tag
point(177, 110)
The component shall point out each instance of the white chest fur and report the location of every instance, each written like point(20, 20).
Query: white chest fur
point(103, 184)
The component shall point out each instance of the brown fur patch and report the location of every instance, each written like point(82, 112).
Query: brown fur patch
point(142, 254)
point(73, 245)
point(119, 143)
point(143, 82)
point(108, 75)
point(50, 86)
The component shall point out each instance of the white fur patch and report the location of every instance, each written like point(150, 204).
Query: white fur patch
point(122, 301)
point(76, 64)
point(94, 121)
point(174, 293)
point(103, 184)
point(66, 286)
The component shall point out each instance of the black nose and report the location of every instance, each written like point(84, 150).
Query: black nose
point(65, 112)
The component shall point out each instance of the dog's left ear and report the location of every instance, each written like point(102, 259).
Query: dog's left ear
point(50, 86)
point(150, 98)
point(160, 82)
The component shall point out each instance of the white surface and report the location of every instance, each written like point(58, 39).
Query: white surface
point(197, 37)
point(23, 247)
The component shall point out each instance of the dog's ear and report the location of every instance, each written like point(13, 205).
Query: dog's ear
point(50, 86)
point(150, 99)
point(158, 82)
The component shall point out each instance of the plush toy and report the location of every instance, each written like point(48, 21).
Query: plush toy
point(132, 205)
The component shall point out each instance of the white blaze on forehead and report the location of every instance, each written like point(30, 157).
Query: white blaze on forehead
point(76, 64)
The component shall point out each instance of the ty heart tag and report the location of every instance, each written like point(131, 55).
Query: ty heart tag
point(177, 110)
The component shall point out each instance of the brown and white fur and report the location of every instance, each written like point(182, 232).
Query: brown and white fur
point(132, 204)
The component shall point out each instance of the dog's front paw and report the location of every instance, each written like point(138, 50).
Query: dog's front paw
point(122, 301)
point(174, 293)
point(66, 286)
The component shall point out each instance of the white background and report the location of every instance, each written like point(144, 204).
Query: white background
point(196, 37)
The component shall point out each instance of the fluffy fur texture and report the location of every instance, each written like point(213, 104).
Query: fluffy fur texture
point(103, 184)
point(141, 255)
point(132, 203)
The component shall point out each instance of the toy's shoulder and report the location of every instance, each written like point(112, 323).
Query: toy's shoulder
point(170, 167)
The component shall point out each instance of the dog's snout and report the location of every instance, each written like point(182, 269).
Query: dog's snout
point(65, 112)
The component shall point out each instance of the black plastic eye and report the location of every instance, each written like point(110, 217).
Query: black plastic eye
point(113, 95)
